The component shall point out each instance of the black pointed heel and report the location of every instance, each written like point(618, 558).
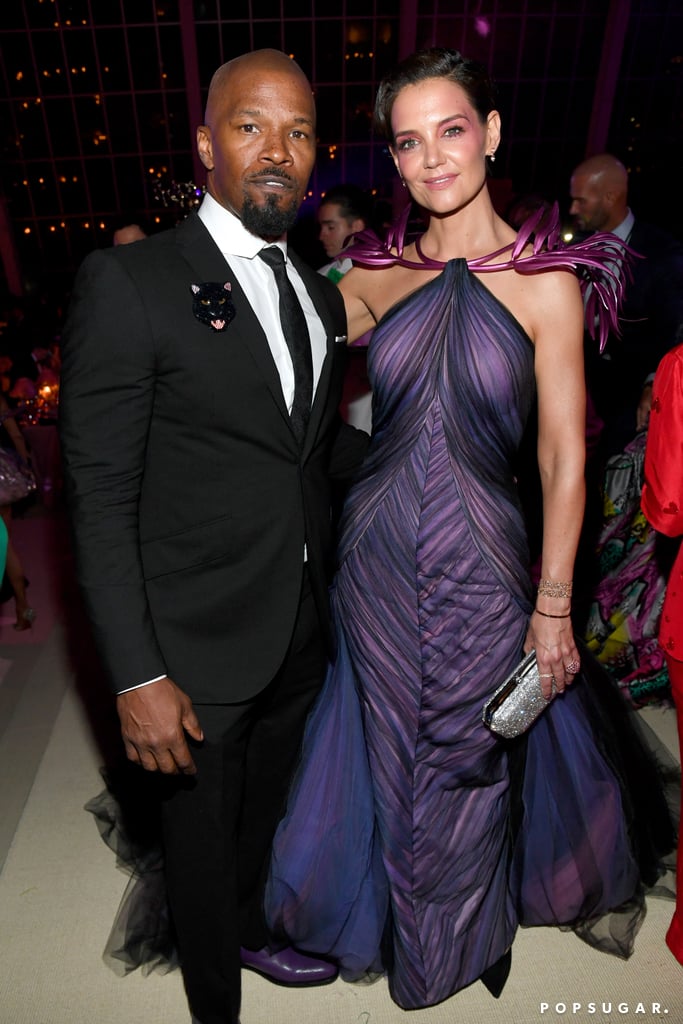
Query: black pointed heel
point(495, 976)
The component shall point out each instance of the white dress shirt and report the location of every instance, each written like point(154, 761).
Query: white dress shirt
point(257, 281)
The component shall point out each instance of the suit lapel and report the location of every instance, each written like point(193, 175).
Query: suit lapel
point(312, 281)
point(208, 264)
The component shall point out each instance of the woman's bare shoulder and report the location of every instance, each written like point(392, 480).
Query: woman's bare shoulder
point(381, 288)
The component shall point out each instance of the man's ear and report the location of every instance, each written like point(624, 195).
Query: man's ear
point(357, 225)
point(204, 146)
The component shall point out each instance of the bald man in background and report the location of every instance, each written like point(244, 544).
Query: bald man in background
point(128, 233)
point(620, 379)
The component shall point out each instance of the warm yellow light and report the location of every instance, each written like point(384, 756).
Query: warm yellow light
point(27, 231)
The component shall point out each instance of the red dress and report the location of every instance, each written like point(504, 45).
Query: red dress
point(662, 503)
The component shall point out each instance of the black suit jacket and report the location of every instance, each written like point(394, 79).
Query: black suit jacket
point(650, 318)
point(190, 499)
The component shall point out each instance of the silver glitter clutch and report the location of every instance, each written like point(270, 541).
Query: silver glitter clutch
point(517, 702)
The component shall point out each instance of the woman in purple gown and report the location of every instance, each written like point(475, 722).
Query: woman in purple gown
point(416, 841)
point(396, 853)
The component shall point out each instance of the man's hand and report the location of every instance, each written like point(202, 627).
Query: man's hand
point(154, 720)
point(644, 406)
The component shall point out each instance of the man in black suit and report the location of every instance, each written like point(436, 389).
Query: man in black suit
point(201, 511)
point(620, 379)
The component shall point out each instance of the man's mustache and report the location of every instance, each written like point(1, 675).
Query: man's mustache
point(272, 174)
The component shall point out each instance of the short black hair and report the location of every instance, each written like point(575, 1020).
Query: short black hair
point(353, 202)
point(435, 62)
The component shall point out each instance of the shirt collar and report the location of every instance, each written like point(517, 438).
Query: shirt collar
point(624, 229)
point(229, 233)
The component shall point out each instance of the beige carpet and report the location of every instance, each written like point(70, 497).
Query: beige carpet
point(60, 888)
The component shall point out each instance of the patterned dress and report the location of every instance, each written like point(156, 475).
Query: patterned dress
point(396, 852)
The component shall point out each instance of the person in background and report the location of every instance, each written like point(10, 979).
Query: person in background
point(346, 210)
point(201, 377)
point(12, 565)
point(128, 233)
point(662, 503)
point(620, 377)
point(621, 582)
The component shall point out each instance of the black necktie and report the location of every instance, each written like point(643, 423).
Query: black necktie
point(295, 330)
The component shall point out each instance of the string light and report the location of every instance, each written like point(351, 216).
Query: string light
point(184, 194)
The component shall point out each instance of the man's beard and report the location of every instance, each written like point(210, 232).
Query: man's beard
point(270, 220)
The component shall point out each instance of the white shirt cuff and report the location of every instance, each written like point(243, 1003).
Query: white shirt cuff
point(138, 686)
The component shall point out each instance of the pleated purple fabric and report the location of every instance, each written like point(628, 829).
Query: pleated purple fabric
point(395, 852)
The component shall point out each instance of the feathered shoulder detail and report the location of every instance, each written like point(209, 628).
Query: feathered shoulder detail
point(602, 262)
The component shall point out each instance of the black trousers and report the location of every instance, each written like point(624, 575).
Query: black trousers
point(218, 826)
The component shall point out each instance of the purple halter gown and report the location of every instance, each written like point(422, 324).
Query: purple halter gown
point(396, 854)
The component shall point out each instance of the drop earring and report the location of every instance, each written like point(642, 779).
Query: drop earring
point(492, 157)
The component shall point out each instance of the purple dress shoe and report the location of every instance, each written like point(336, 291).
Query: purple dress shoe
point(288, 967)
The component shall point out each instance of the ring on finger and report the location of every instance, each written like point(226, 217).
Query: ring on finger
point(573, 667)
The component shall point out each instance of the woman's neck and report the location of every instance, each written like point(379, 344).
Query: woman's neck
point(473, 231)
